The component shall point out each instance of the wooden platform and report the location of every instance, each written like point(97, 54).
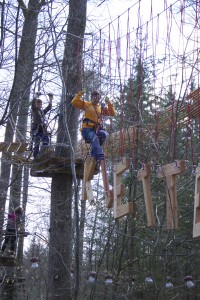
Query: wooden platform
point(12, 279)
point(7, 261)
point(14, 146)
point(46, 167)
point(19, 233)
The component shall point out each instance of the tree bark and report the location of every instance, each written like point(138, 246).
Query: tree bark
point(18, 114)
point(60, 245)
point(19, 95)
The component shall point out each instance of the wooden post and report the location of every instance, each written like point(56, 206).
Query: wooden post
point(121, 210)
point(170, 172)
point(108, 193)
point(144, 176)
point(196, 221)
point(89, 167)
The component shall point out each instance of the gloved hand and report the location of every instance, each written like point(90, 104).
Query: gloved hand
point(107, 100)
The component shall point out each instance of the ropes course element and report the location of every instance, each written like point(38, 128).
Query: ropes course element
point(153, 80)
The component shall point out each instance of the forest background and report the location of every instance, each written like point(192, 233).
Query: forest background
point(145, 57)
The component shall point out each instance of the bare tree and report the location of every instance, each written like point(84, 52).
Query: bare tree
point(18, 105)
point(60, 245)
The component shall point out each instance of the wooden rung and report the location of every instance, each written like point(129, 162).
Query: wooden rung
point(145, 172)
point(12, 279)
point(89, 167)
point(171, 202)
point(89, 191)
point(120, 189)
point(122, 166)
point(170, 172)
point(14, 146)
point(144, 176)
point(109, 198)
point(171, 169)
point(197, 201)
point(196, 220)
point(19, 233)
point(121, 210)
point(124, 210)
point(107, 192)
point(7, 261)
point(84, 193)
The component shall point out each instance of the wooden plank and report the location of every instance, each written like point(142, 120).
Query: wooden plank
point(19, 233)
point(121, 210)
point(144, 176)
point(196, 219)
point(124, 210)
point(171, 202)
point(144, 172)
point(196, 230)
point(197, 203)
point(117, 198)
point(170, 172)
point(7, 261)
point(47, 167)
point(89, 191)
point(89, 167)
point(19, 147)
point(84, 193)
point(122, 166)
point(174, 168)
point(3, 146)
point(120, 189)
point(12, 279)
point(107, 192)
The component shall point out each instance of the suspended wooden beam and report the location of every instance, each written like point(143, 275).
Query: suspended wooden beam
point(14, 146)
point(48, 166)
point(11, 279)
point(19, 233)
point(107, 192)
point(121, 210)
point(89, 169)
point(170, 172)
point(144, 176)
point(89, 192)
point(196, 220)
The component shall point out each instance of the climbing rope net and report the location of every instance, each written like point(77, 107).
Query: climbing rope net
point(146, 61)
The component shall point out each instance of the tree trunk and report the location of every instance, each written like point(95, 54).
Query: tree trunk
point(18, 113)
point(19, 96)
point(60, 245)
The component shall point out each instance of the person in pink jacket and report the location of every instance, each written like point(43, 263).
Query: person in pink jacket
point(14, 220)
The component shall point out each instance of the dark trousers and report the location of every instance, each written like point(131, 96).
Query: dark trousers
point(96, 138)
point(39, 135)
point(12, 236)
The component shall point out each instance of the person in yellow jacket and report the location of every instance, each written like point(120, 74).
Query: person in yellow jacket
point(92, 130)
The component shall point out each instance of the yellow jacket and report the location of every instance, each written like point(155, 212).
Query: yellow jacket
point(93, 112)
